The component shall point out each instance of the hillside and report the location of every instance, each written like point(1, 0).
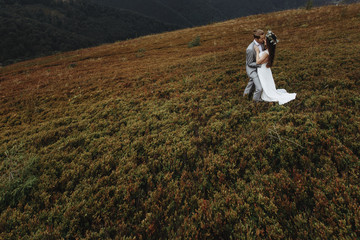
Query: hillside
point(33, 28)
point(151, 139)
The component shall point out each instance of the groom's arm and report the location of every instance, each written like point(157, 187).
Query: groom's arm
point(250, 61)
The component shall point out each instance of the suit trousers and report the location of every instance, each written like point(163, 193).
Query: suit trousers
point(254, 85)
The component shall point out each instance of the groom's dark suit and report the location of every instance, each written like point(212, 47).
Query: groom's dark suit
point(251, 70)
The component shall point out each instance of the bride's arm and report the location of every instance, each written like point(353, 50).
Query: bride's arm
point(264, 57)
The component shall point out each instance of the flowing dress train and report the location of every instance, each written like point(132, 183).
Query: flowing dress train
point(270, 93)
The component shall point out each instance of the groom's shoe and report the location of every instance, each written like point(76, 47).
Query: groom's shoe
point(249, 96)
point(258, 102)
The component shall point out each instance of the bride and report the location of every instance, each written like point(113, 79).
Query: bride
point(266, 59)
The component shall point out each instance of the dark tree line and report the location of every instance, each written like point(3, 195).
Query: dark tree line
point(190, 13)
point(33, 28)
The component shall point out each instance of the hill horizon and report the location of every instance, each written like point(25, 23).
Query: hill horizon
point(35, 28)
point(190, 13)
point(151, 138)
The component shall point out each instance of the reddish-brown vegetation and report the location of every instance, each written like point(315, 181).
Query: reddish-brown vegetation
point(151, 139)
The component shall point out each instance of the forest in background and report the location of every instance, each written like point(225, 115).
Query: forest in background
point(190, 13)
point(34, 28)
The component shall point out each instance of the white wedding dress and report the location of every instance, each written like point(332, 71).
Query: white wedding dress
point(270, 93)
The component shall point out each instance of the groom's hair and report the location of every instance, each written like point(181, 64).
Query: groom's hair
point(258, 33)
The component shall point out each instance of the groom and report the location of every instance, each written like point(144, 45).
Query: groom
point(251, 66)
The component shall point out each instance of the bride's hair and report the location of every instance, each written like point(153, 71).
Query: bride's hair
point(271, 49)
point(271, 41)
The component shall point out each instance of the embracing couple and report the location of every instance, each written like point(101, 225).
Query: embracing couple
point(259, 59)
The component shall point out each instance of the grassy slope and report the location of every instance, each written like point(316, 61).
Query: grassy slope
point(148, 138)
